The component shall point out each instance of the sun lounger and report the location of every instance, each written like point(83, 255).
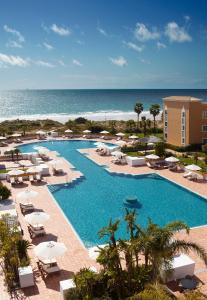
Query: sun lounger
point(12, 180)
point(48, 266)
point(150, 165)
point(186, 175)
point(193, 177)
point(20, 180)
point(36, 231)
point(26, 207)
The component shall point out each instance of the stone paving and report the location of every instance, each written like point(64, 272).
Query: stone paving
point(58, 228)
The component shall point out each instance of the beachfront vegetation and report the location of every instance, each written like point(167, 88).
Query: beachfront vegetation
point(13, 252)
point(154, 111)
point(138, 110)
point(5, 193)
point(129, 266)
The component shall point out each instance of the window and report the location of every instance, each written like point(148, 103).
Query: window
point(204, 128)
point(205, 141)
point(183, 141)
point(183, 126)
point(204, 114)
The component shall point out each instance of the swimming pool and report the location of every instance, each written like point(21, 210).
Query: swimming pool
point(91, 202)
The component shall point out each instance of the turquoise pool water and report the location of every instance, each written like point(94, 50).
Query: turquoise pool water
point(90, 203)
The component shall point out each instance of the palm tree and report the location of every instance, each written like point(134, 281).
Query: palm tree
point(17, 151)
point(144, 125)
point(154, 111)
point(159, 246)
point(138, 110)
point(152, 291)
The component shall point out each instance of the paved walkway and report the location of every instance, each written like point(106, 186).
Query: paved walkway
point(58, 228)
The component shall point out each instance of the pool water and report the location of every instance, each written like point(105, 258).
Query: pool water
point(91, 202)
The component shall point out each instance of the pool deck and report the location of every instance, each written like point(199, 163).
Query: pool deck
point(58, 228)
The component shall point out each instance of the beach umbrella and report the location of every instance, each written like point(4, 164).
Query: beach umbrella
point(133, 137)
point(104, 132)
point(193, 168)
point(41, 132)
point(34, 169)
point(27, 195)
point(15, 172)
point(68, 131)
point(16, 135)
point(2, 138)
point(120, 134)
point(172, 159)
point(37, 218)
point(86, 131)
point(118, 154)
point(56, 163)
point(49, 250)
point(152, 156)
point(43, 151)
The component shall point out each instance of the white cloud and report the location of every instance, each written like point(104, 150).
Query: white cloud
point(16, 33)
point(63, 31)
point(175, 33)
point(43, 63)
point(61, 63)
point(48, 46)
point(13, 44)
point(134, 46)
point(143, 34)
point(161, 45)
point(10, 60)
point(77, 63)
point(102, 31)
point(145, 61)
point(119, 61)
point(187, 18)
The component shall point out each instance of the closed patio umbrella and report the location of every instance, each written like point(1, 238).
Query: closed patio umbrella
point(49, 250)
point(172, 159)
point(37, 218)
point(193, 168)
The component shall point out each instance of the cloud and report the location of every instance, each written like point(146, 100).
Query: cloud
point(80, 42)
point(13, 44)
point(143, 34)
point(77, 63)
point(134, 46)
point(10, 60)
point(102, 31)
point(161, 45)
point(187, 18)
point(61, 63)
point(48, 46)
point(145, 61)
point(43, 63)
point(16, 33)
point(63, 31)
point(175, 33)
point(119, 61)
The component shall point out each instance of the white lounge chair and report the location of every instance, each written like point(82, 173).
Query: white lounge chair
point(20, 180)
point(25, 207)
point(186, 175)
point(38, 177)
point(36, 231)
point(48, 267)
point(12, 180)
point(193, 177)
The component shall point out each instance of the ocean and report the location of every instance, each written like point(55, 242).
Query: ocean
point(62, 105)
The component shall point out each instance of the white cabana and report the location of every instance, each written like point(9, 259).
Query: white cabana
point(104, 132)
point(120, 134)
point(182, 265)
point(15, 172)
point(193, 168)
point(86, 131)
point(68, 131)
point(49, 250)
point(133, 137)
point(172, 159)
point(27, 195)
point(37, 218)
point(152, 157)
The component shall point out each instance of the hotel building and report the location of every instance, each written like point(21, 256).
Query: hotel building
point(185, 120)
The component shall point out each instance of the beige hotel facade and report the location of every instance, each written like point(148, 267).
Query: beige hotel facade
point(185, 120)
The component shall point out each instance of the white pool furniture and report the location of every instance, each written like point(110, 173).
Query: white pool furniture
point(135, 161)
point(182, 265)
point(45, 170)
point(26, 277)
point(65, 286)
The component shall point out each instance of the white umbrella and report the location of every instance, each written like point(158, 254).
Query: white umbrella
point(15, 172)
point(2, 138)
point(86, 131)
point(34, 169)
point(133, 137)
point(37, 218)
point(120, 134)
point(193, 168)
point(55, 163)
point(40, 132)
point(172, 159)
point(16, 135)
point(118, 154)
point(104, 132)
point(43, 151)
point(49, 250)
point(27, 195)
point(152, 156)
point(68, 131)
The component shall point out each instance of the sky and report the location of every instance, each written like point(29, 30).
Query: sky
point(62, 44)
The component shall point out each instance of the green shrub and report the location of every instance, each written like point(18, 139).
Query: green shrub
point(5, 193)
point(160, 149)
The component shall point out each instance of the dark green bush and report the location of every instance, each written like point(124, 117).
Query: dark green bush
point(5, 193)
